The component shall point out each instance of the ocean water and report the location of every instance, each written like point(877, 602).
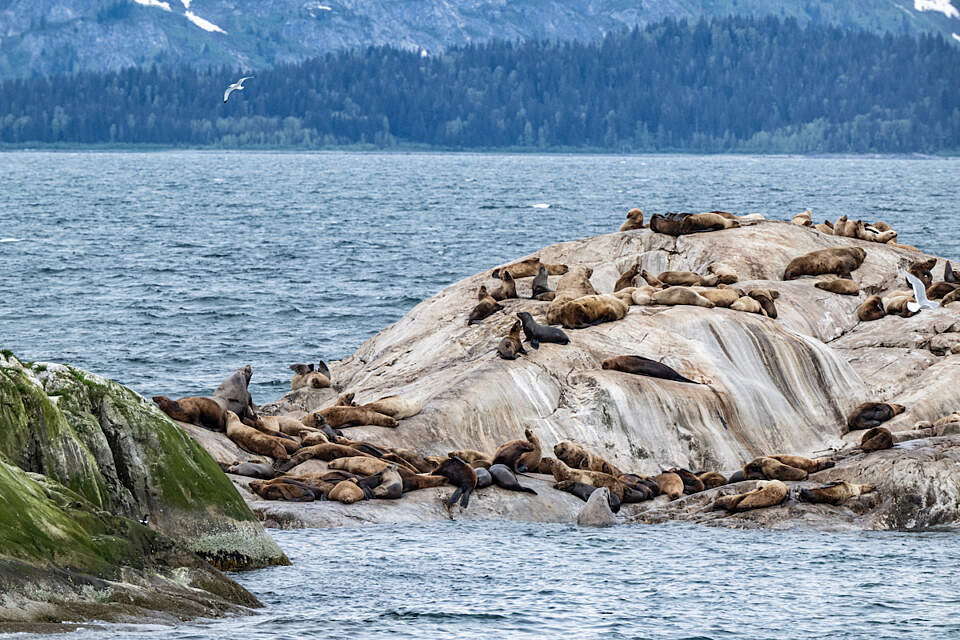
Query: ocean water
point(169, 270)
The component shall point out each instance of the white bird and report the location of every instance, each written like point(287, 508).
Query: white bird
point(236, 86)
point(920, 293)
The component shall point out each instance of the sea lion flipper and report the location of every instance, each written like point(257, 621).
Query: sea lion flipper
point(465, 500)
point(323, 368)
point(534, 343)
point(528, 490)
point(454, 497)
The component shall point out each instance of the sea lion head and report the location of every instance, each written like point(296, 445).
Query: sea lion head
point(524, 316)
point(161, 401)
point(506, 276)
point(898, 409)
point(869, 487)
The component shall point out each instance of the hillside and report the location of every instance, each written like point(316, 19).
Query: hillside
point(50, 37)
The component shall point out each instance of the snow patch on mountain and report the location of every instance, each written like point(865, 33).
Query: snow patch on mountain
point(206, 25)
point(186, 3)
point(956, 37)
point(943, 6)
point(154, 3)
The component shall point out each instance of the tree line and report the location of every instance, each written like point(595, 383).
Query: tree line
point(730, 84)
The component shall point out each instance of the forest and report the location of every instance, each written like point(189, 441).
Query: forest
point(725, 85)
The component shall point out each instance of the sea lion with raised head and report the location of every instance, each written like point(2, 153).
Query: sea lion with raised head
point(578, 457)
point(338, 417)
point(510, 454)
point(576, 282)
point(691, 483)
point(485, 307)
point(531, 459)
point(537, 333)
point(824, 227)
point(626, 278)
point(203, 412)
point(767, 493)
point(872, 414)
point(305, 376)
point(835, 493)
point(232, 394)
point(504, 478)
point(949, 275)
point(510, 347)
point(876, 439)
point(671, 485)
point(253, 440)
point(587, 311)
point(680, 296)
point(922, 270)
point(638, 365)
point(765, 468)
point(804, 219)
point(841, 261)
point(541, 284)
point(507, 288)
point(766, 297)
point(462, 476)
point(842, 286)
point(651, 279)
point(634, 220)
point(840, 227)
point(871, 309)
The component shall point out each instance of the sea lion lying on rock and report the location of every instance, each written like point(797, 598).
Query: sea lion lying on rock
point(687, 279)
point(799, 462)
point(680, 295)
point(259, 470)
point(771, 469)
point(472, 457)
point(871, 309)
point(529, 267)
point(203, 412)
point(509, 454)
point(338, 417)
point(641, 366)
point(839, 285)
point(746, 304)
point(699, 222)
point(282, 489)
point(938, 290)
point(876, 439)
point(391, 484)
point(504, 478)
point(872, 414)
point(766, 297)
point(347, 492)
point(359, 465)
point(484, 479)
point(233, 396)
point(576, 282)
point(804, 219)
point(634, 220)
point(667, 223)
point(824, 227)
point(839, 260)
point(485, 307)
point(462, 476)
point(897, 303)
point(396, 407)
point(953, 296)
point(537, 333)
point(835, 493)
point(691, 483)
point(305, 376)
point(722, 296)
point(507, 288)
point(766, 494)
point(325, 452)
point(555, 308)
point(254, 441)
point(724, 272)
point(712, 479)
point(578, 457)
point(590, 310)
point(562, 473)
point(922, 270)
point(671, 485)
point(510, 346)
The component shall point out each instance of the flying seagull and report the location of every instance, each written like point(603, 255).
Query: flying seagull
point(236, 86)
point(920, 293)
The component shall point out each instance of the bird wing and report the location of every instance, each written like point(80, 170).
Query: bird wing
point(919, 294)
point(226, 94)
point(240, 81)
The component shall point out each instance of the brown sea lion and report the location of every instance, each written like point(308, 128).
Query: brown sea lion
point(313, 438)
point(578, 457)
point(767, 494)
point(712, 479)
point(415, 460)
point(510, 346)
point(921, 269)
point(746, 304)
point(876, 439)
point(541, 285)
point(651, 279)
point(626, 278)
point(691, 483)
point(699, 222)
point(203, 412)
point(835, 493)
point(722, 296)
point(287, 425)
point(338, 417)
point(824, 227)
point(872, 414)
point(391, 484)
point(471, 456)
point(638, 365)
point(232, 393)
point(950, 297)
point(766, 297)
point(510, 455)
point(397, 407)
point(671, 485)
point(576, 282)
point(359, 465)
point(770, 469)
point(305, 376)
point(871, 309)
point(531, 459)
point(325, 452)
point(839, 260)
point(587, 311)
point(724, 272)
point(897, 303)
point(485, 307)
point(949, 275)
point(642, 296)
point(799, 462)
point(417, 481)
point(679, 278)
point(938, 290)
point(667, 223)
point(346, 492)
point(840, 228)
point(839, 285)
point(555, 308)
point(804, 219)
point(345, 400)
point(254, 441)
point(680, 296)
point(462, 476)
point(634, 220)
point(282, 489)
point(507, 288)
point(529, 267)
point(562, 473)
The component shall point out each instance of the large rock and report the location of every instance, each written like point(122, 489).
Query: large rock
point(81, 460)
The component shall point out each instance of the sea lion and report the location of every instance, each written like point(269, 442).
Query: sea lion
point(724, 272)
point(799, 462)
point(584, 491)
point(232, 393)
point(546, 296)
point(288, 425)
point(651, 279)
point(578, 457)
point(671, 485)
point(747, 304)
point(576, 282)
point(282, 489)
point(840, 228)
point(950, 297)
point(667, 223)
point(259, 470)
point(897, 303)
point(305, 376)
point(587, 311)
point(767, 494)
point(680, 295)
point(824, 227)
point(736, 476)
point(626, 278)
point(921, 269)
point(871, 309)
point(359, 465)
point(700, 222)
point(507, 288)
point(471, 456)
point(529, 267)
point(839, 260)
point(634, 220)
point(541, 284)
point(417, 481)
point(509, 454)
point(876, 439)
point(254, 441)
point(397, 407)
point(415, 460)
point(391, 484)
point(722, 296)
point(642, 296)
point(804, 219)
point(872, 414)
point(325, 452)
point(510, 347)
point(531, 459)
point(537, 333)
point(938, 290)
point(484, 479)
point(561, 472)
point(641, 366)
point(504, 478)
point(765, 468)
point(462, 476)
point(835, 493)
point(203, 412)
point(839, 285)
point(485, 307)
point(766, 297)
point(712, 479)
point(949, 275)
point(555, 308)
point(691, 483)
point(338, 417)
point(680, 278)
point(347, 492)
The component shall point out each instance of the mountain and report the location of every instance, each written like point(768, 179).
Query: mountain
point(47, 37)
